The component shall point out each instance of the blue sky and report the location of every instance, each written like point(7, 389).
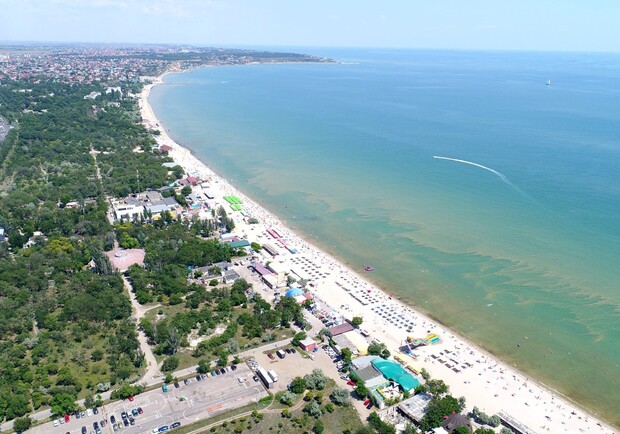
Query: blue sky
point(574, 25)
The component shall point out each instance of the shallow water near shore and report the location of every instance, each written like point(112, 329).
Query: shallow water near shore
point(518, 253)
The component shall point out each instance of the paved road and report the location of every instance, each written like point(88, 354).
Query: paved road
point(186, 404)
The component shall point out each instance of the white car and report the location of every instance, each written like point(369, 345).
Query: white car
point(89, 412)
point(56, 422)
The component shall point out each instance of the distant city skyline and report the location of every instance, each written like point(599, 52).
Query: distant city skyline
point(555, 25)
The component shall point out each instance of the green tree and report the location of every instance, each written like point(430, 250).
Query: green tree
point(313, 409)
point(340, 396)
point(316, 380)
point(482, 431)
point(298, 337)
point(298, 385)
point(204, 366)
point(22, 424)
point(361, 390)
point(380, 426)
point(318, 427)
point(170, 364)
point(410, 429)
point(437, 409)
point(437, 388)
point(357, 321)
point(346, 355)
point(495, 421)
point(63, 403)
point(288, 398)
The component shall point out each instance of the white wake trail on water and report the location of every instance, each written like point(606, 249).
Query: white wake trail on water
point(501, 176)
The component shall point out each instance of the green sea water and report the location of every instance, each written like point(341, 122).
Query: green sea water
point(522, 258)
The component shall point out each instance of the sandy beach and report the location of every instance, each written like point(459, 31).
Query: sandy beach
point(482, 379)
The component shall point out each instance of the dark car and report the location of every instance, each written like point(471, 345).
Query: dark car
point(140, 411)
point(102, 423)
point(83, 430)
point(77, 415)
point(95, 410)
point(198, 378)
point(222, 371)
point(233, 367)
point(175, 425)
point(203, 376)
point(186, 381)
point(176, 384)
point(112, 419)
point(123, 414)
point(95, 425)
point(125, 422)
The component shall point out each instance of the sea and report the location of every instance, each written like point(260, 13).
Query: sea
point(511, 238)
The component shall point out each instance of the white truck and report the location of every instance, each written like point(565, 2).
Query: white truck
point(273, 375)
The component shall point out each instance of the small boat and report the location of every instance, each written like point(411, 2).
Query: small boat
point(369, 268)
point(548, 82)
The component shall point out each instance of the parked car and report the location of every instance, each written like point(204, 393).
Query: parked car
point(95, 410)
point(198, 378)
point(140, 411)
point(271, 356)
point(176, 384)
point(56, 422)
point(222, 371)
point(186, 381)
point(233, 367)
point(112, 419)
point(89, 412)
point(130, 398)
point(134, 411)
point(164, 428)
point(175, 425)
point(83, 414)
point(83, 430)
point(67, 418)
point(102, 423)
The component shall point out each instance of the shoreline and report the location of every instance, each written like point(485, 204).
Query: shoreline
point(509, 390)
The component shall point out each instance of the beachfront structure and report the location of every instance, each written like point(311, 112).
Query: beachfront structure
point(382, 377)
point(124, 210)
point(414, 408)
point(307, 345)
point(353, 341)
point(270, 249)
point(456, 420)
point(340, 329)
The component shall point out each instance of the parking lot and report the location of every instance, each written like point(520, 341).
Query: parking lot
point(186, 404)
point(298, 364)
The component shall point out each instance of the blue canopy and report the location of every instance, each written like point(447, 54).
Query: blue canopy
point(294, 292)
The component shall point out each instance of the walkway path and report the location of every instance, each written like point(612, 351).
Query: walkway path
point(152, 368)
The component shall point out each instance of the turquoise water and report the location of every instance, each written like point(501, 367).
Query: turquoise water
point(344, 154)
